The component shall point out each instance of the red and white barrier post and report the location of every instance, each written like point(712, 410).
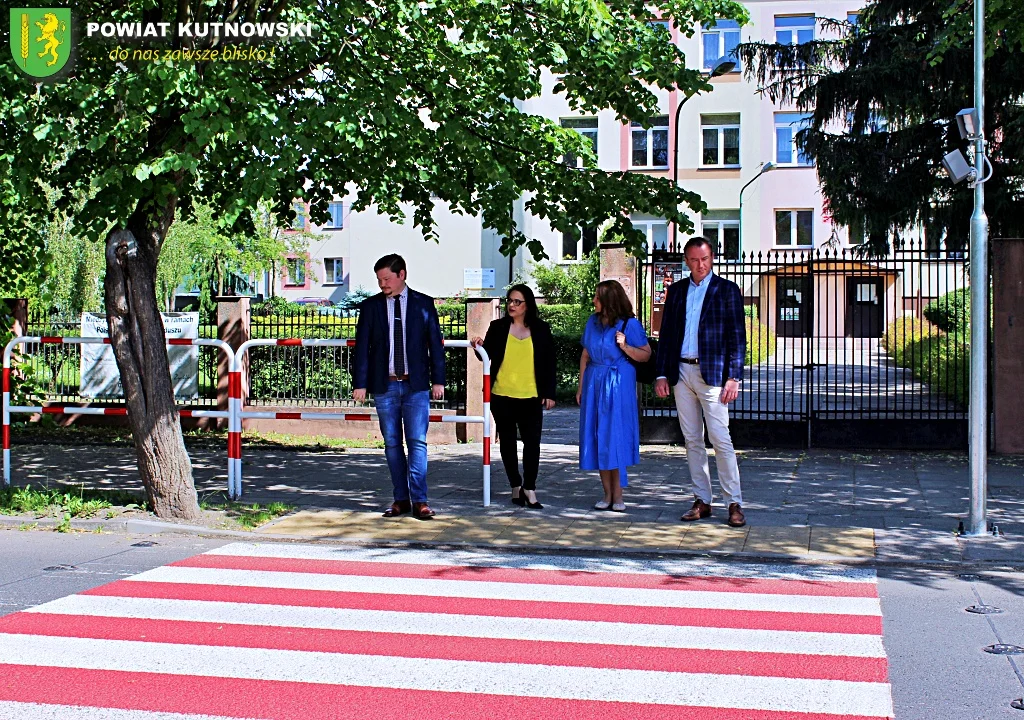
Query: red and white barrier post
point(57, 409)
point(359, 415)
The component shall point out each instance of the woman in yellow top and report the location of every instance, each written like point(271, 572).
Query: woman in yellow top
point(522, 354)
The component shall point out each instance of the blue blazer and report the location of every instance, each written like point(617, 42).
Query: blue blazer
point(424, 345)
point(721, 337)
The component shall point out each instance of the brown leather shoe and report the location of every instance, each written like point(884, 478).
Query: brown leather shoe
point(736, 518)
point(699, 510)
point(422, 511)
point(399, 507)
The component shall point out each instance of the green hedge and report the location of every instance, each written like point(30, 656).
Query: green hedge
point(760, 342)
point(565, 320)
point(951, 313)
point(940, 360)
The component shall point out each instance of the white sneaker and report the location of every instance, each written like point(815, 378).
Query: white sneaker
point(602, 505)
point(619, 507)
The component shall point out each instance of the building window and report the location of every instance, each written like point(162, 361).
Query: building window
point(650, 147)
point(337, 212)
point(334, 271)
point(299, 223)
point(663, 24)
point(576, 246)
point(655, 230)
point(719, 41)
point(587, 127)
point(857, 233)
point(721, 228)
point(794, 228)
point(853, 19)
point(720, 140)
point(787, 125)
point(794, 29)
point(874, 124)
point(296, 271)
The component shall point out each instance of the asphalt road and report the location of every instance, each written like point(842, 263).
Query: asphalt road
point(937, 668)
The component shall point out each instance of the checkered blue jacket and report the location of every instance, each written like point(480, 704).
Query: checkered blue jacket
point(721, 337)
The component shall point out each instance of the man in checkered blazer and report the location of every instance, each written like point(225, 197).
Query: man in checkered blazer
point(701, 349)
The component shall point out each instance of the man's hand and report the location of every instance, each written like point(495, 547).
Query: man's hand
point(437, 392)
point(359, 394)
point(547, 403)
point(730, 392)
point(661, 388)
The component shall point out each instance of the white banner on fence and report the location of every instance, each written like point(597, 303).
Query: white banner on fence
point(100, 378)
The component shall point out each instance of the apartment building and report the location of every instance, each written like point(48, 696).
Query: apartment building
point(725, 138)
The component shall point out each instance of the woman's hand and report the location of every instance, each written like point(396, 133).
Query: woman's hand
point(620, 339)
point(547, 403)
point(476, 342)
point(579, 394)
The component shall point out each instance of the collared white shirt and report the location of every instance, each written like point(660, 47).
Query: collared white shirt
point(694, 304)
point(404, 298)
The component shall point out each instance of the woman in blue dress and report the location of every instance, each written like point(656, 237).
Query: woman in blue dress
point(609, 421)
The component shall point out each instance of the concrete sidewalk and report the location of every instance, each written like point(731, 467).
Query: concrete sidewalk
point(887, 506)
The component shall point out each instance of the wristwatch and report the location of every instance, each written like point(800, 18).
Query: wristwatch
point(735, 380)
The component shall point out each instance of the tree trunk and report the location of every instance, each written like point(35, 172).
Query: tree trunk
point(137, 337)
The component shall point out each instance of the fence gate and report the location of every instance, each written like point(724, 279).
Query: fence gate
point(843, 350)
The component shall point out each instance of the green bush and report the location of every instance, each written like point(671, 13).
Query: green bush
point(940, 360)
point(571, 284)
point(760, 342)
point(568, 320)
point(567, 365)
point(951, 313)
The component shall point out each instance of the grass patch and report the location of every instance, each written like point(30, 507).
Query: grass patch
point(286, 440)
point(82, 503)
point(248, 515)
point(940, 360)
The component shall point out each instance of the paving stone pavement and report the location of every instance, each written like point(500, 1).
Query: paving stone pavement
point(911, 502)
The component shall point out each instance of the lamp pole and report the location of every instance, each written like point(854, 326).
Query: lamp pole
point(977, 523)
point(765, 167)
point(722, 66)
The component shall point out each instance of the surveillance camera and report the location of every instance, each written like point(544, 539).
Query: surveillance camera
point(967, 122)
point(957, 168)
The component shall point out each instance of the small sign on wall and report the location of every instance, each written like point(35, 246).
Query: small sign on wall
point(478, 278)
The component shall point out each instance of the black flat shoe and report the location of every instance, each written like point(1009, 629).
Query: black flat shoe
point(520, 499)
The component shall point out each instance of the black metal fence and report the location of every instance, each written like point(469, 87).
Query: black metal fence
point(842, 349)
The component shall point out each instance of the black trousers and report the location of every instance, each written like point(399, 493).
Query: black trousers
point(525, 415)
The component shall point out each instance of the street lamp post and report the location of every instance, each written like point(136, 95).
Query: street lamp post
point(723, 66)
point(765, 167)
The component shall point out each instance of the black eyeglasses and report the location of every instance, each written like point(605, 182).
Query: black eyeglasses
point(514, 302)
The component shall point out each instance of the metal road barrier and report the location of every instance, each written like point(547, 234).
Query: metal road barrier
point(235, 413)
point(235, 403)
point(234, 424)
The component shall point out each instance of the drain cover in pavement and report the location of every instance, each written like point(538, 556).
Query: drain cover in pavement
point(984, 610)
point(145, 543)
point(59, 568)
point(1003, 649)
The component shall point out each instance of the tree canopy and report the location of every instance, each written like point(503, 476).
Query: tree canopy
point(882, 94)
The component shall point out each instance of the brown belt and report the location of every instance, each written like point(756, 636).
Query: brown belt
point(398, 378)
point(690, 361)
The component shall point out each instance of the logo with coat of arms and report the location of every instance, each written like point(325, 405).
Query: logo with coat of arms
point(41, 40)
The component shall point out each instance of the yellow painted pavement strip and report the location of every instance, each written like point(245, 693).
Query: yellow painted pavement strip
point(596, 533)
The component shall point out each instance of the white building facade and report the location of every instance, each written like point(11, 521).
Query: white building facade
point(725, 138)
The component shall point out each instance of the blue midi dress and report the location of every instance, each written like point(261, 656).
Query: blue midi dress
point(609, 421)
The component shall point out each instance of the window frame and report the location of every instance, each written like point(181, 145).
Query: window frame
point(721, 128)
point(810, 23)
point(720, 226)
point(336, 222)
point(581, 251)
point(301, 219)
point(583, 126)
point(722, 28)
point(793, 127)
point(647, 226)
point(300, 268)
point(648, 133)
point(331, 278)
point(794, 224)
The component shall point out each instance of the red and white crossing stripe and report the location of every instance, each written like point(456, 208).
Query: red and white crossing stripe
point(70, 409)
point(228, 634)
point(235, 446)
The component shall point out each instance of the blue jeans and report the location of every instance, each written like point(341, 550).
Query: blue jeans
point(399, 406)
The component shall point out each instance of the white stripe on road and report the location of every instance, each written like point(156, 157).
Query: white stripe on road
point(482, 558)
point(35, 711)
point(570, 683)
point(515, 591)
point(473, 626)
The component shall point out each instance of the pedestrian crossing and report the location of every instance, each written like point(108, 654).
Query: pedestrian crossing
point(283, 631)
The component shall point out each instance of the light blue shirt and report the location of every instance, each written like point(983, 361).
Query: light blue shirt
point(694, 304)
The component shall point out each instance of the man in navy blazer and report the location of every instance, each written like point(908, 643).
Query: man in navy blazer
point(701, 351)
point(399, 359)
